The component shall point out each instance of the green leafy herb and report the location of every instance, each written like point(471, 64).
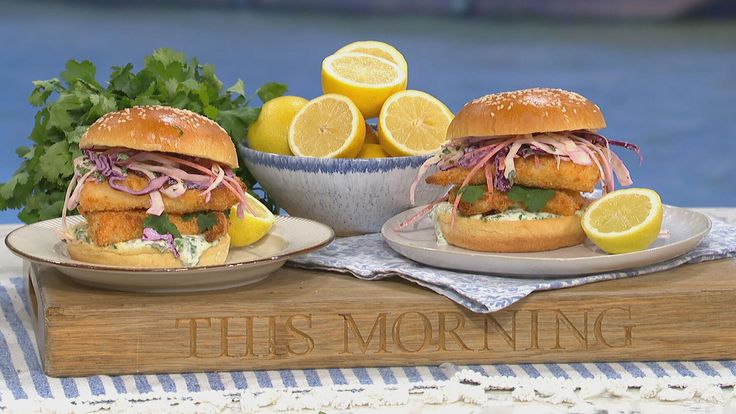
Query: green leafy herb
point(69, 104)
point(472, 193)
point(205, 220)
point(161, 224)
point(534, 199)
point(269, 91)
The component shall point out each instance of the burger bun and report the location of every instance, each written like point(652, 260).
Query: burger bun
point(511, 236)
point(526, 111)
point(144, 257)
point(162, 129)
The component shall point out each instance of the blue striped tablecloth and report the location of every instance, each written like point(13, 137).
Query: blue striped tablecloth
point(25, 387)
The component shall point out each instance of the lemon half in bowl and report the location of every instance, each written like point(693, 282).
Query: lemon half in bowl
point(366, 80)
point(378, 49)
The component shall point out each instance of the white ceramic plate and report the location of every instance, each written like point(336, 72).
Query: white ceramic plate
point(684, 230)
point(289, 237)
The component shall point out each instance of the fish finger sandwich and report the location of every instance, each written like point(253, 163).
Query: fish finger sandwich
point(517, 163)
point(153, 184)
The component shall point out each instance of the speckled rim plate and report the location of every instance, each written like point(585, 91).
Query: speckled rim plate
point(683, 230)
point(289, 237)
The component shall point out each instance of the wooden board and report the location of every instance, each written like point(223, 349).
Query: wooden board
point(298, 319)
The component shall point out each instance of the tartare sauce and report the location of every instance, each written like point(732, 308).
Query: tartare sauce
point(512, 214)
point(190, 247)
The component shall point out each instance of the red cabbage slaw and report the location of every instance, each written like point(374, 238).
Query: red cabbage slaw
point(168, 174)
point(150, 234)
point(581, 147)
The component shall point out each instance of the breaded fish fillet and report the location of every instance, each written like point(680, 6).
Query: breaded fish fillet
point(539, 171)
point(563, 203)
point(108, 227)
point(99, 196)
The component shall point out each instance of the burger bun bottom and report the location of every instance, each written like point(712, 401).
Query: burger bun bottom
point(145, 257)
point(512, 236)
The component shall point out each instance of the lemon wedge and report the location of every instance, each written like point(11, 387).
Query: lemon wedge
point(624, 221)
point(270, 132)
point(372, 151)
point(413, 123)
point(366, 79)
point(379, 49)
point(329, 126)
point(256, 223)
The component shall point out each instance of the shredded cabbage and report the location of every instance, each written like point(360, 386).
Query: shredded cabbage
point(168, 175)
point(581, 147)
point(150, 234)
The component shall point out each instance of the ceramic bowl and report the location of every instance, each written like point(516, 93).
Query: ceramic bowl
point(353, 196)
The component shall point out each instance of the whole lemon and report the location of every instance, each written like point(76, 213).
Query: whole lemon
point(270, 132)
point(372, 151)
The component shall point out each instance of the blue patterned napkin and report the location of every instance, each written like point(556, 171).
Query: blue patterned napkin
point(369, 257)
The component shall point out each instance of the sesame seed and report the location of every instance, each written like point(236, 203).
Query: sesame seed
point(535, 97)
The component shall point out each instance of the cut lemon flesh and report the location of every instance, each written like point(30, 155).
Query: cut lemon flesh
point(256, 222)
point(379, 49)
point(330, 126)
point(413, 123)
point(624, 221)
point(367, 80)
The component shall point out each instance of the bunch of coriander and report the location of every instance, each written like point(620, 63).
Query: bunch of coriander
point(68, 106)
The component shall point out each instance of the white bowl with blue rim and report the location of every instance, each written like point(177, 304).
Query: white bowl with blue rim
point(351, 195)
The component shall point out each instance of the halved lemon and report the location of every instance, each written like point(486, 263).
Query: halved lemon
point(367, 80)
point(330, 126)
point(413, 123)
point(624, 221)
point(256, 222)
point(380, 49)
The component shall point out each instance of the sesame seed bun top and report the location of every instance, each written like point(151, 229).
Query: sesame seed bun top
point(526, 111)
point(162, 129)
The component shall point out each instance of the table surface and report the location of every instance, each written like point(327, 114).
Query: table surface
point(11, 266)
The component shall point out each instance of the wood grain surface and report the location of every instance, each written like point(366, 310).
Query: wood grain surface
point(298, 318)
